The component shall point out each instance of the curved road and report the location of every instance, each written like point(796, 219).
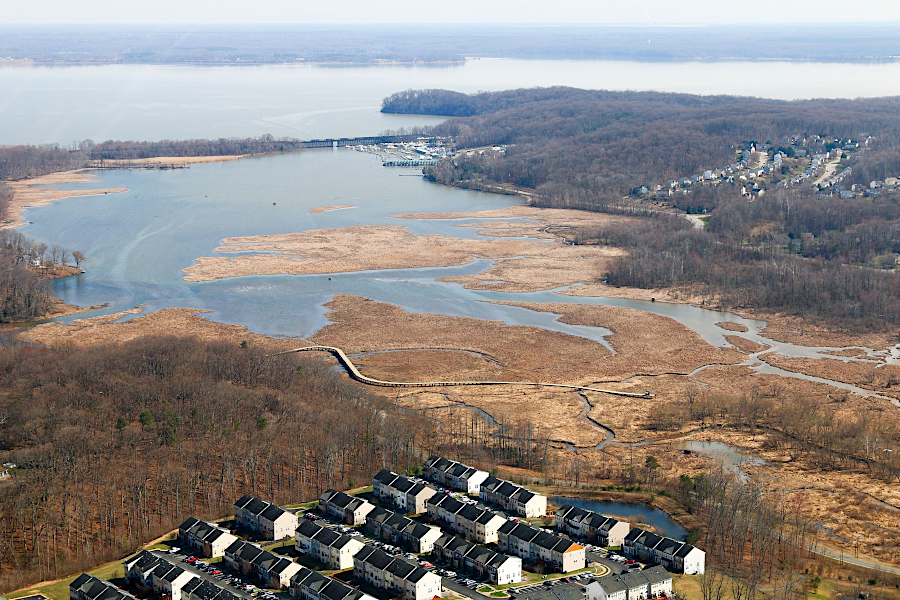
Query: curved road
point(355, 374)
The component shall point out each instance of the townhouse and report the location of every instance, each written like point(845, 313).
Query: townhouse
point(150, 571)
point(540, 548)
point(329, 547)
point(590, 525)
point(345, 507)
point(500, 569)
point(272, 570)
point(310, 585)
point(407, 495)
point(395, 575)
point(566, 591)
point(678, 557)
point(651, 582)
point(204, 538)
point(401, 531)
point(268, 520)
point(513, 498)
point(453, 475)
point(88, 587)
point(139, 569)
point(202, 589)
point(472, 522)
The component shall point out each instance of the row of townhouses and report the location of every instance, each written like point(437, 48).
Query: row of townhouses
point(540, 548)
point(151, 571)
point(345, 507)
point(401, 531)
point(513, 498)
point(483, 562)
point(204, 538)
point(203, 589)
point(479, 524)
point(592, 526)
point(395, 575)
point(264, 518)
point(636, 585)
point(453, 475)
point(310, 585)
point(407, 495)
point(329, 547)
point(88, 587)
point(272, 570)
point(678, 557)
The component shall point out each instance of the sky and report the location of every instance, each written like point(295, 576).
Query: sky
point(633, 12)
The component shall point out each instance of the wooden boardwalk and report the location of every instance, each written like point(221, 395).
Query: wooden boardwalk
point(355, 374)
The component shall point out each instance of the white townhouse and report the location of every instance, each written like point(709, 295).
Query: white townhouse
point(592, 526)
point(273, 570)
point(204, 538)
point(453, 475)
point(540, 548)
point(395, 575)
point(393, 527)
point(168, 579)
point(88, 587)
point(483, 562)
point(473, 522)
point(329, 547)
point(264, 518)
point(139, 569)
point(651, 582)
point(407, 495)
point(513, 498)
point(310, 585)
point(679, 557)
point(345, 507)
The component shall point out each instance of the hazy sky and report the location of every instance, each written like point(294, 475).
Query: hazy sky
point(454, 11)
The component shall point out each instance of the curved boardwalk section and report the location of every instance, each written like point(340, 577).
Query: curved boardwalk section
point(355, 374)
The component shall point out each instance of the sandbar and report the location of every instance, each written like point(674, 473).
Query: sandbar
point(25, 195)
point(320, 209)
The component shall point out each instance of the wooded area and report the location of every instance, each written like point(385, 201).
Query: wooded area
point(788, 250)
point(22, 162)
point(116, 445)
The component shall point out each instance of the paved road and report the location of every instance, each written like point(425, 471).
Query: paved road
point(614, 567)
point(453, 585)
point(853, 560)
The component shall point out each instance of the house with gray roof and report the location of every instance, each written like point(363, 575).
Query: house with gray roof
point(204, 538)
point(677, 556)
point(345, 507)
point(485, 563)
point(407, 495)
point(590, 525)
point(329, 547)
point(453, 475)
point(88, 587)
point(473, 522)
point(273, 570)
point(513, 498)
point(395, 575)
point(264, 518)
point(540, 548)
point(651, 582)
point(400, 530)
point(309, 585)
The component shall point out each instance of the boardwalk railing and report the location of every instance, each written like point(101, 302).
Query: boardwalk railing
point(355, 374)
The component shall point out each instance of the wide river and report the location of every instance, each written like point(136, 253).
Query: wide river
point(138, 241)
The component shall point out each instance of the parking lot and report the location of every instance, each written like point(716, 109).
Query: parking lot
point(217, 574)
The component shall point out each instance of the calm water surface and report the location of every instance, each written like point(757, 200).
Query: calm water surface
point(141, 102)
point(660, 520)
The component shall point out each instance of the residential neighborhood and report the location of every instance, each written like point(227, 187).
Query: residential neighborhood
point(453, 475)
point(448, 543)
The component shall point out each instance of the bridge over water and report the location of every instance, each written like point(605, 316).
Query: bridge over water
point(358, 141)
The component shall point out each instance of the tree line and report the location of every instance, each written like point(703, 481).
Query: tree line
point(22, 162)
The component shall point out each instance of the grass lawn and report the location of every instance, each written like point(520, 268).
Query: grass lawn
point(59, 590)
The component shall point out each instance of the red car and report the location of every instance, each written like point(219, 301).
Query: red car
point(630, 561)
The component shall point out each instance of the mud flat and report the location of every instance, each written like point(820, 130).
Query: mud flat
point(744, 345)
point(729, 326)
point(25, 195)
point(375, 247)
point(320, 209)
